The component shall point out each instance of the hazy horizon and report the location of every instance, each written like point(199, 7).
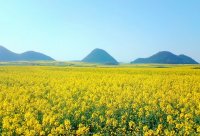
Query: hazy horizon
point(69, 30)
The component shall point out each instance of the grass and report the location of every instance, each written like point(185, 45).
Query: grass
point(82, 64)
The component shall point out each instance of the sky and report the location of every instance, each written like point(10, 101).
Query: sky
point(127, 29)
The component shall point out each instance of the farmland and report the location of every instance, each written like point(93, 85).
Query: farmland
point(141, 100)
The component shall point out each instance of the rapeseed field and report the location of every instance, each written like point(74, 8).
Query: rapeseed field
point(40, 101)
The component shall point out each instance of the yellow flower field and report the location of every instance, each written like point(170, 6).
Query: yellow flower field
point(99, 101)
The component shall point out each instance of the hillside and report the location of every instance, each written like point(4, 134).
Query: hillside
point(100, 56)
point(7, 55)
point(165, 57)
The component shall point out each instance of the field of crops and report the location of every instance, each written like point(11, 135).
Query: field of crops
point(99, 101)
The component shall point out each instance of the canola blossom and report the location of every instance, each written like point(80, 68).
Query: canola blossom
point(40, 101)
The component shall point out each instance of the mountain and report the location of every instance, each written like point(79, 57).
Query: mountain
point(34, 56)
point(100, 56)
point(7, 55)
point(166, 57)
point(187, 60)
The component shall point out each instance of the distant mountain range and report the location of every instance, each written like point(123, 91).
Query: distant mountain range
point(7, 55)
point(100, 56)
point(166, 57)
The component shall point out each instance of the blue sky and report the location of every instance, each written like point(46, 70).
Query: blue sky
point(127, 29)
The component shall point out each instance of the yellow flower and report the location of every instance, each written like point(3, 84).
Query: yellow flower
point(131, 125)
point(159, 129)
point(42, 133)
point(82, 130)
point(169, 119)
point(53, 100)
point(67, 124)
point(145, 128)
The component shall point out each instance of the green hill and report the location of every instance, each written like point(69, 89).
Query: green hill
point(100, 56)
point(165, 57)
point(7, 55)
